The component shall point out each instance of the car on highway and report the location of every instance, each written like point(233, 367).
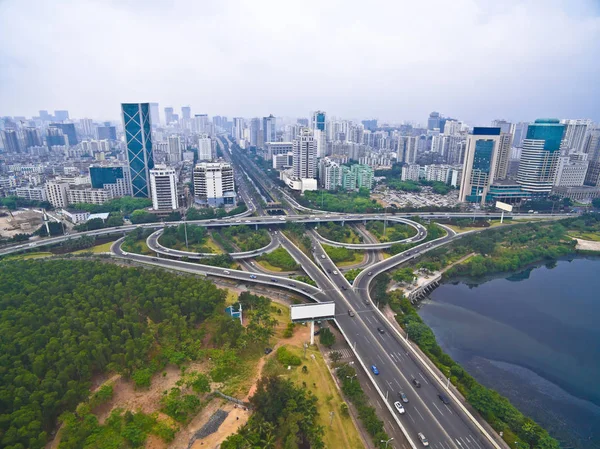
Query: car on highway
point(444, 398)
point(381, 330)
point(282, 218)
point(291, 285)
point(399, 407)
point(317, 332)
point(344, 287)
point(329, 270)
point(350, 312)
point(416, 382)
point(335, 273)
point(322, 256)
point(154, 258)
point(252, 276)
point(248, 221)
point(370, 273)
point(375, 370)
point(274, 280)
point(403, 397)
point(226, 272)
point(423, 439)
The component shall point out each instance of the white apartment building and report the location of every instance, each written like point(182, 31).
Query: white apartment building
point(274, 148)
point(174, 155)
point(571, 171)
point(410, 172)
point(205, 152)
point(214, 183)
point(31, 193)
point(283, 161)
point(163, 185)
point(305, 155)
point(88, 195)
point(56, 193)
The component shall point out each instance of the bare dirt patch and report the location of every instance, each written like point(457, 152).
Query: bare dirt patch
point(587, 245)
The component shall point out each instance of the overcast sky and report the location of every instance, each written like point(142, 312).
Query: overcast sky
point(394, 60)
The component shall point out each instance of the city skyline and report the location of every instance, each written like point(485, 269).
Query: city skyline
point(534, 59)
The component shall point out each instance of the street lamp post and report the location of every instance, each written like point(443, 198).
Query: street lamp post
point(386, 442)
point(385, 220)
point(351, 377)
point(185, 230)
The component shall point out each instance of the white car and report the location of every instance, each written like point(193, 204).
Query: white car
point(282, 218)
point(335, 272)
point(399, 407)
point(423, 439)
point(226, 272)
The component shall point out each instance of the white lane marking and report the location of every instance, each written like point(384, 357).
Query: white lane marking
point(423, 377)
point(417, 410)
point(378, 404)
point(393, 357)
point(390, 384)
point(437, 408)
point(466, 444)
point(459, 443)
point(391, 426)
point(398, 383)
point(450, 410)
point(411, 418)
point(379, 357)
point(475, 441)
point(369, 385)
point(400, 356)
point(446, 443)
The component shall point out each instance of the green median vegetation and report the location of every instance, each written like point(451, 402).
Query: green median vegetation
point(340, 201)
point(279, 258)
point(340, 254)
point(393, 231)
point(175, 237)
point(338, 233)
point(243, 237)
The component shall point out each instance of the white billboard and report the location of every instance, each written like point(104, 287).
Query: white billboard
point(309, 312)
point(504, 206)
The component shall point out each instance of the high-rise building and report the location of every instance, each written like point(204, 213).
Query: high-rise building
point(138, 141)
point(505, 127)
point(371, 125)
point(302, 122)
point(571, 170)
point(61, 116)
point(330, 174)
point(106, 132)
point(269, 129)
point(305, 155)
point(575, 133)
point(87, 127)
point(254, 132)
point(205, 152)
point(520, 134)
point(186, 112)
point(111, 177)
point(539, 157)
point(214, 183)
point(45, 116)
point(174, 149)
point(433, 121)
point(592, 149)
point(163, 184)
point(504, 145)
point(169, 115)
point(200, 124)
point(32, 137)
point(318, 121)
point(479, 168)
point(10, 140)
point(238, 129)
point(68, 130)
point(154, 115)
point(55, 137)
point(56, 192)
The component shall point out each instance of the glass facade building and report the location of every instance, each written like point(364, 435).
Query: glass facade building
point(100, 176)
point(480, 164)
point(138, 140)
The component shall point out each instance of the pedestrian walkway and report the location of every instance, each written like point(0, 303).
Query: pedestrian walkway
point(346, 353)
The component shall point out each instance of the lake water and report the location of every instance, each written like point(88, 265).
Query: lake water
point(535, 338)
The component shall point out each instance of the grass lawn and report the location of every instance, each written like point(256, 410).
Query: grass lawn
point(358, 258)
point(342, 432)
point(593, 236)
point(104, 248)
point(267, 266)
point(215, 249)
point(39, 255)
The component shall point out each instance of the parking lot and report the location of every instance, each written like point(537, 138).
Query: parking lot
point(424, 198)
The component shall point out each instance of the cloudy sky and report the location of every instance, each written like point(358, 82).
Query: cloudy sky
point(395, 59)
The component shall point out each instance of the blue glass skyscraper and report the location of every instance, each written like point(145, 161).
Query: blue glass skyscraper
point(138, 139)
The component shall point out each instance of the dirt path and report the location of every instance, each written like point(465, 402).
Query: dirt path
point(588, 245)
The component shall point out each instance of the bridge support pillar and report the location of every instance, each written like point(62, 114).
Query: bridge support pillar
point(312, 333)
point(256, 227)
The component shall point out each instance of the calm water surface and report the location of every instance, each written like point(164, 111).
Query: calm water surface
point(534, 337)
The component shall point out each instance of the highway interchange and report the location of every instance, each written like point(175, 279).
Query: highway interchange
point(373, 339)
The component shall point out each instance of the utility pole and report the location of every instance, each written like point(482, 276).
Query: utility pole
point(185, 229)
point(385, 220)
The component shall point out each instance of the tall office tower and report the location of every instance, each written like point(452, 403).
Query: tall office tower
point(302, 122)
point(10, 139)
point(163, 184)
point(269, 129)
point(254, 131)
point(504, 145)
point(114, 178)
point(520, 134)
point(433, 121)
point(87, 127)
point(154, 115)
point(68, 130)
point(205, 148)
point(479, 168)
point(592, 149)
point(571, 170)
point(186, 112)
point(238, 128)
point(575, 133)
point(452, 127)
point(330, 174)
point(169, 115)
point(213, 183)
point(539, 157)
point(106, 132)
point(32, 137)
point(305, 155)
point(318, 121)
point(371, 125)
point(200, 124)
point(55, 137)
point(505, 127)
point(174, 149)
point(138, 141)
point(45, 116)
point(61, 116)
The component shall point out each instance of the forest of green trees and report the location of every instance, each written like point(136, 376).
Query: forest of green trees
point(280, 258)
point(244, 237)
point(338, 233)
point(394, 231)
point(175, 237)
point(62, 321)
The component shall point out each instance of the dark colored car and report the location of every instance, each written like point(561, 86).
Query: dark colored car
point(268, 351)
point(350, 312)
point(381, 330)
point(329, 270)
point(344, 287)
point(403, 397)
point(317, 332)
point(416, 383)
point(444, 398)
point(274, 280)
